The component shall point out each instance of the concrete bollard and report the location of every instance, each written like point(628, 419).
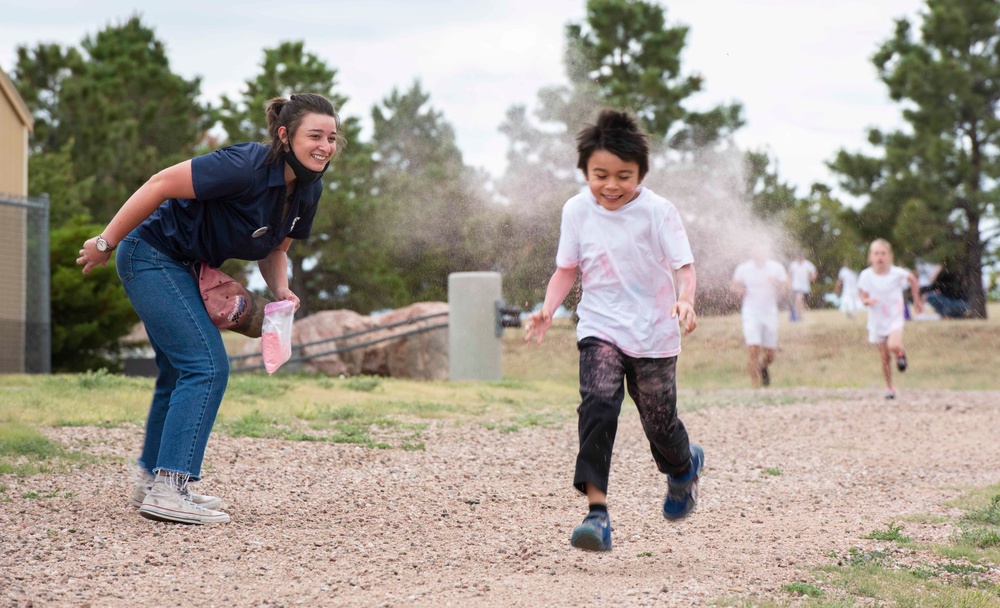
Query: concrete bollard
point(474, 346)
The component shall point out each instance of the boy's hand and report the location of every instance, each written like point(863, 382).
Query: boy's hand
point(918, 307)
point(683, 311)
point(538, 323)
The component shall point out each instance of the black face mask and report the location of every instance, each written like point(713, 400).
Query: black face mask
point(303, 175)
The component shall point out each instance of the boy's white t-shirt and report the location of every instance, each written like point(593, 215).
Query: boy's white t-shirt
point(760, 285)
point(887, 314)
point(801, 272)
point(626, 258)
point(848, 280)
point(849, 301)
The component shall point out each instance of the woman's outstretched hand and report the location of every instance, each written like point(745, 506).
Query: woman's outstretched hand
point(90, 256)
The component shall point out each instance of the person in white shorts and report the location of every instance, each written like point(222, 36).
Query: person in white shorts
point(802, 273)
point(881, 289)
point(760, 282)
point(847, 288)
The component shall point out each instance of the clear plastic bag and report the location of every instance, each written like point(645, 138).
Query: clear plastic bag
point(276, 334)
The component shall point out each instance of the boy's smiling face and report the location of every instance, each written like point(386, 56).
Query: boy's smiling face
point(613, 181)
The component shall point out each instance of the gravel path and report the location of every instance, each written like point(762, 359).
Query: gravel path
point(482, 518)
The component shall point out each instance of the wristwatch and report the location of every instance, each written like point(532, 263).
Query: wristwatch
point(103, 245)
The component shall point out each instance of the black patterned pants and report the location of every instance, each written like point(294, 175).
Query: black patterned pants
point(604, 372)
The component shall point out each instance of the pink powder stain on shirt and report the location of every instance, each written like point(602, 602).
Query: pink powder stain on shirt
point(275, 352)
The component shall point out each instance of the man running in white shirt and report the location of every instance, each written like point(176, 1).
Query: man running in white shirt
point(803, 273)
point(760, 282)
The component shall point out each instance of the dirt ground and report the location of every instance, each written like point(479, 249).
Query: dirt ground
point(483, 518)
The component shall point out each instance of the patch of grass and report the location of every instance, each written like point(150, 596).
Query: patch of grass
point(100, 380)
point(893, 532)
point(982, 538)
point(539, 419)
point(364, 384)
point(511, 383)
point(254, 424)
point(25, 451)
point(804, 589)
point(257, 386)
point(773, 471)
point(68, 399)
point(924, 574)
point(333, 425)
point(965, 578)
point(352, 433)
point(326, 413)
point(828, 350)
point(964, 569)
point(979, 537)
point(644, 554)
point(810, 602)
point(18, 440)
point(989, 514)
point(858, 558)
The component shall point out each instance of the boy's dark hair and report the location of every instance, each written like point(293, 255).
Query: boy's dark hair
point(618, 133)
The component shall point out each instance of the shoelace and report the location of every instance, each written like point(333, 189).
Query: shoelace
point(178, 483)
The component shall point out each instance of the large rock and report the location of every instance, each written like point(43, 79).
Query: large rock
point(405, 348)
point(422, 352)
point(323, 326)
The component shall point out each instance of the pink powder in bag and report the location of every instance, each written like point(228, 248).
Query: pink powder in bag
point(276, 337)
point(275, 352)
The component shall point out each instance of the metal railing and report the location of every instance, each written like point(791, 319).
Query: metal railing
point(236, 365)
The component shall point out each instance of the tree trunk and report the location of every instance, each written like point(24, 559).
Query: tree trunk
point(973, 278)
point(972, 274)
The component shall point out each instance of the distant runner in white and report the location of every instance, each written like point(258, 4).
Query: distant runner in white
point(803, 273)
point(760, 282)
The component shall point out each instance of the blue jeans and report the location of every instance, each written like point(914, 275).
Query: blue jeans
point(947, 307)
point(190, 354)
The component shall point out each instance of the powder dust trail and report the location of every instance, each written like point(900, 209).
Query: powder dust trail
point(709, 190)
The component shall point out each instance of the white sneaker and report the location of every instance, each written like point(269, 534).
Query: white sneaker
point(143, 481)
point(169, 500)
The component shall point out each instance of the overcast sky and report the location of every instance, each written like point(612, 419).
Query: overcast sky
point(801, 68)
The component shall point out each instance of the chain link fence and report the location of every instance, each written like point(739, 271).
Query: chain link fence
point(25, 324)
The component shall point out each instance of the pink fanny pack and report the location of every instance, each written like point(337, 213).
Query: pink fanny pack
point(229, 304)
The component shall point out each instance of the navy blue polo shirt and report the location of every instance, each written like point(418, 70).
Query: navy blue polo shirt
point(236, 197)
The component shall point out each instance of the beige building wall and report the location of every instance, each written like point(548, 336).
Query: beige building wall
point(15, 125)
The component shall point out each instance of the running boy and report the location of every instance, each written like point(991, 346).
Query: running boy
point(881, 289)
point(628, 245)
point(760, 282)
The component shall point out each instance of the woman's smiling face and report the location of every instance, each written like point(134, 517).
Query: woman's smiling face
point(315, 141)
point(612, 181)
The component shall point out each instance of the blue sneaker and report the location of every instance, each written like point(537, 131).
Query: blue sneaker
point(594, 534)
point(682, 493)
